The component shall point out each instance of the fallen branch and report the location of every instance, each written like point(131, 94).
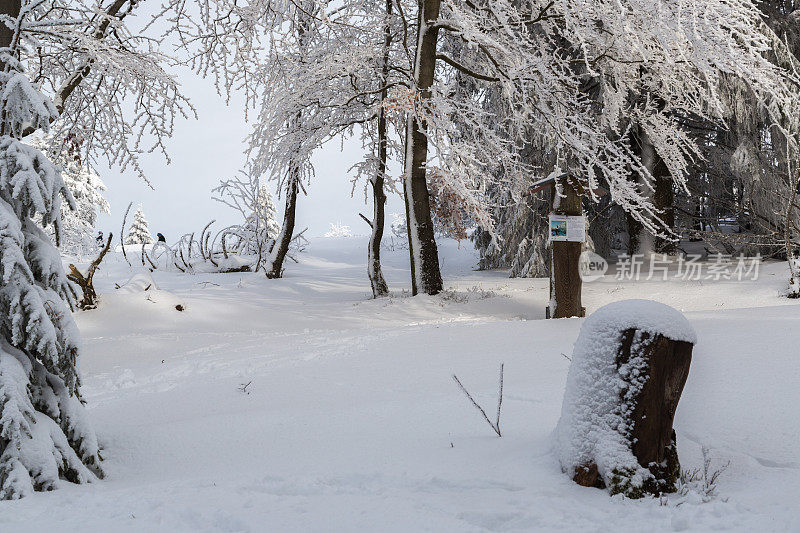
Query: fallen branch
point(122, 232)
point(85, 282)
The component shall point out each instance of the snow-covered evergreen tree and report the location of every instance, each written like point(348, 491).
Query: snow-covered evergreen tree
point(139, 233)
point(44, 433)
point(264, 216)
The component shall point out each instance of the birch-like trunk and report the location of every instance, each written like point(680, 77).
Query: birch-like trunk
point(662, 196)
point(425, 274)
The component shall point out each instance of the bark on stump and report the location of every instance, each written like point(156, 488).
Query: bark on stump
point(652, 438)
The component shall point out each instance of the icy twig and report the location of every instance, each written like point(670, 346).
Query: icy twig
point(496, 424)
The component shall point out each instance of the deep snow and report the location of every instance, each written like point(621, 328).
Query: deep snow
point(351, 421)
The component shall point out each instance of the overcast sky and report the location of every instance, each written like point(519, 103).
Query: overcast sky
point(209, 149)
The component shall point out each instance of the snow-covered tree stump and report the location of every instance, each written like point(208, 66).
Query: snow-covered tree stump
point(629, 366)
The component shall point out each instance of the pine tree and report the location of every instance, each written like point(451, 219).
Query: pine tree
point(139, 232)
point(264, 215)
point(261, 226)
point(44, 433)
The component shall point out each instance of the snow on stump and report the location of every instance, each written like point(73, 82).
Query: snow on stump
point(629, 366)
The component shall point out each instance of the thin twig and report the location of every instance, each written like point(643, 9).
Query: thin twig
point(499, 400)
point(494, 425)
point(122, 233)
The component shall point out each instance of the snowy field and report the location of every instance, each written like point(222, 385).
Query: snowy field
point(302, 405)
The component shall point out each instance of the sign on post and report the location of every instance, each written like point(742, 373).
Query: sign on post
point(567, 228)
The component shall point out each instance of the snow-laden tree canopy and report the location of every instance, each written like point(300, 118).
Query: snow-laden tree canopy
point(109, 85)
point(574, 80)
point(575, 77)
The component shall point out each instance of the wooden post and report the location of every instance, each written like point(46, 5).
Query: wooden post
point(565, 279)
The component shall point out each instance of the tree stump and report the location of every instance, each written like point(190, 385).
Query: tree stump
point(625, 382)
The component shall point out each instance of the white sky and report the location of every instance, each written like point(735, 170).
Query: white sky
point(209, 149)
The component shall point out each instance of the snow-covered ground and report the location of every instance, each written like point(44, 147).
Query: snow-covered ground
point(302, 405)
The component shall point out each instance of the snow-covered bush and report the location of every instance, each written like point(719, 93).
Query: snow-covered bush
point(596, 416)
point(338, 230)
point(139, 233)
point(398, 226)
point(237, 248)
point(79, 225)
point(256, 235)
point(398, 240)
point(264, 214)
point(701, 483)
point(44, 434)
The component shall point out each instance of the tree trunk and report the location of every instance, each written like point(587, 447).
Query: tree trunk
point(10, 8)
point(379, 287)
point(637, 238)
point(663, 195)
point(565, 279)
point(425, 274)
point(635, 230)
point(663, 198)
point(281, 246)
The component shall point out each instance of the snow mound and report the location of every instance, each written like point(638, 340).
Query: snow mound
point(139, 282)
point(595, 423)
point(232, 263)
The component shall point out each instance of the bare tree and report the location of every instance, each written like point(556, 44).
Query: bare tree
point(86, 281)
